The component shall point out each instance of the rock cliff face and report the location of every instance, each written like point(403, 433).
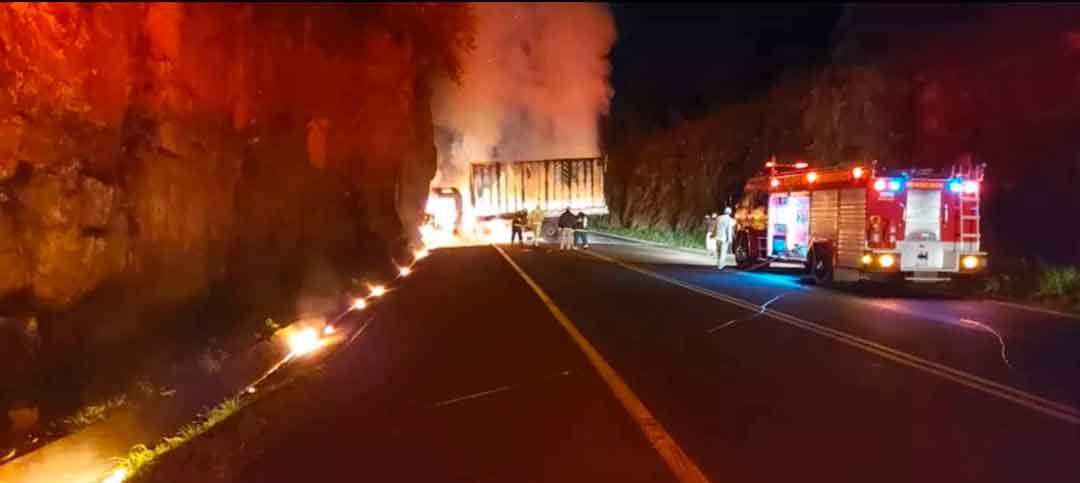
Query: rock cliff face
point(152, 153)
point(908, 85)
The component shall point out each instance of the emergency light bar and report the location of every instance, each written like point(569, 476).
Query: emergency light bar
point(961, 186)
point(888, 184)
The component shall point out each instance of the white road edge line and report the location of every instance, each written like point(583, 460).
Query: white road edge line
point(472, 396)
point(1023, 398)
point(1037, 309)
point(684, 469)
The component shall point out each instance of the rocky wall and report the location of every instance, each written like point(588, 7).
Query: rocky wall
point(153, 153)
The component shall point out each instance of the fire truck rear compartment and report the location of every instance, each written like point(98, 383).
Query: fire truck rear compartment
point(922, 250)
point(802, 217)
point(789, 225)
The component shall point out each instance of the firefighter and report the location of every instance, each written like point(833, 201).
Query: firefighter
point(580, 224)
point(517, 228)
point(725, 234)
point(536, 222)
point(710, 234)
point(566, 229)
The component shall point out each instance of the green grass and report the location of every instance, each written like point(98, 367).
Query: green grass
point(1056, 286)
point(695, 239)
point(1059, 282)
point(92, 413)
point(141, 457)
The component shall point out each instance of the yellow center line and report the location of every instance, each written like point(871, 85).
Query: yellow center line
point(1020, 397)
point(681, 465)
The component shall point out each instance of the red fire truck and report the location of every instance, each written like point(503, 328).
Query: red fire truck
point(858, 221)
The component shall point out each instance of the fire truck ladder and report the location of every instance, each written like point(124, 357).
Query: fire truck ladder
point(969, 222)
point(970, 228)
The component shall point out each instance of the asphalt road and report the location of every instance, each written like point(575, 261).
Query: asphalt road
point(467, 376)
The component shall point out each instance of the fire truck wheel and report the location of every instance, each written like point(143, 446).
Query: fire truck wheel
point(742, 251)
point(821, 264)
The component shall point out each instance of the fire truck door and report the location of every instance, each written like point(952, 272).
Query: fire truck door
point(922, 248)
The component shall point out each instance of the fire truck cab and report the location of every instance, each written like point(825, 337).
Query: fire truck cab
point(858, 221)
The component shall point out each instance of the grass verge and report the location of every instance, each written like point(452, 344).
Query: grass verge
point(140, 458)
point(694, 239)
point(92, 413)
point(1052, 286)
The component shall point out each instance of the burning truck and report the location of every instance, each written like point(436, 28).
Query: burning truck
point(859, 221)
point(497, 190)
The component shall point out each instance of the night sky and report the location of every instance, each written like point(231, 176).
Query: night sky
point(682, 59)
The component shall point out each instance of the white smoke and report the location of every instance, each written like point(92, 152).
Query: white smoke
point(534, 88)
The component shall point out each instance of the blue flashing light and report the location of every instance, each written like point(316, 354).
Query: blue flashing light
point(956, 186)
point(888, 184)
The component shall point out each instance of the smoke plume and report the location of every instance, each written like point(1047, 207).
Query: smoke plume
point(533, 88)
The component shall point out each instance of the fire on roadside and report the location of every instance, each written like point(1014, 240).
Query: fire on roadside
point(303, 341)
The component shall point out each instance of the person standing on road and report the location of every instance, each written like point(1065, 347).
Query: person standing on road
point(536, 222)
point(566, 229)
point(580, 224)
point(710, 234)
point(517, 228)
point(725, 234)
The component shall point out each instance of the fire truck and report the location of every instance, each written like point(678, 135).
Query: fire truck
point(858, 221)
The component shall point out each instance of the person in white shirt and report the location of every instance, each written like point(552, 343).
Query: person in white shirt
point(710, 234)
point(725, 235)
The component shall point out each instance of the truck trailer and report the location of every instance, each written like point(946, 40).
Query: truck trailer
point(499, 189)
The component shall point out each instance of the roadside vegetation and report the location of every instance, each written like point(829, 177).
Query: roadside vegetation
point(141, 457)
point(94, 412)
point(1054, 286)
point(695, 239)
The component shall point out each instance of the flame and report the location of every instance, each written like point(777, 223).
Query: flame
point(117, 476)
point(304, 341)
point(442, 210)
point(439, 230)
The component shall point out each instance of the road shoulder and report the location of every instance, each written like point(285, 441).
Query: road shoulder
point(447, 385)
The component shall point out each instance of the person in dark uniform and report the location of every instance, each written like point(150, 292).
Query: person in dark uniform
point(517, 228)
point(580, 223)
point(566, 230)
